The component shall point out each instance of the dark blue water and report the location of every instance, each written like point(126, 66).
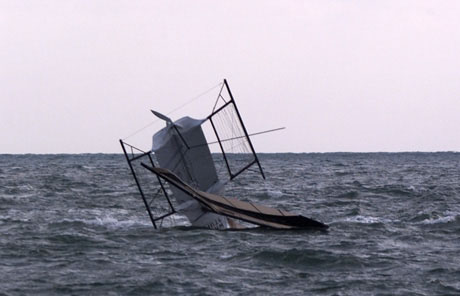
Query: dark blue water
point(74, 225)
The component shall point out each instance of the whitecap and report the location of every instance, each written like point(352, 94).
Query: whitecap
point(87, 167)
point(436, 220)
point(366, 219)
point(113, 222)
point(274, 193)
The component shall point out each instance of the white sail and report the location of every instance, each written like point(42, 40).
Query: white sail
point(181, 147)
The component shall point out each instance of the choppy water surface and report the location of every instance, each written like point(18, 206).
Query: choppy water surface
point(74, 224)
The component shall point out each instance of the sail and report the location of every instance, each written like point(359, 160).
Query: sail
point(245, 211)
point(181, 147)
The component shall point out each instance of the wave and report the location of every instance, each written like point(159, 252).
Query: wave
point(108, 221)
point(441, 220)
point(308, 258)
point(367, 220)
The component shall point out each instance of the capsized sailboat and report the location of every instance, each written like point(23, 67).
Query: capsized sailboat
point(186, 178)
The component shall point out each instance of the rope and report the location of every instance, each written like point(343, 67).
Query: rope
point(195, 98)
point(140, 130)
point(178, 108)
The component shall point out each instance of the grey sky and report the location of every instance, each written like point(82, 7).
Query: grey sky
point(75, 76)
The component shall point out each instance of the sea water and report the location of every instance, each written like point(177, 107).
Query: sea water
point(76, 225)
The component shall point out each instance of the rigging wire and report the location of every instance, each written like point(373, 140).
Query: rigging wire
point(174, 110)
point(239, 137)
